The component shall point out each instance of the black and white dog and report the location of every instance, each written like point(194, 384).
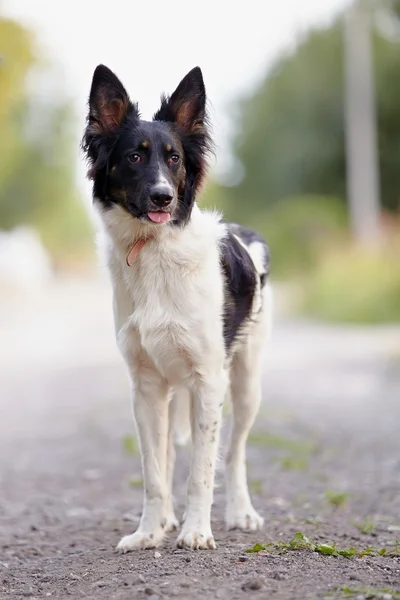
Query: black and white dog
point(191, 302)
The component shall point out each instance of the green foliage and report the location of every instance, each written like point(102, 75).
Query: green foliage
point(37, 153)
point(290, 137)
point(298, 229)
point(355, 284)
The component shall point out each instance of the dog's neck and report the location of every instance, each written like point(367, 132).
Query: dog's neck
point(129, 235)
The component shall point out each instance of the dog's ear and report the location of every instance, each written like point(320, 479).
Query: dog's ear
point(109, 102)
point(187, 105)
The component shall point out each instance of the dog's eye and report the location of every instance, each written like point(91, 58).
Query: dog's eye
point(135, 158)
point(174, 158)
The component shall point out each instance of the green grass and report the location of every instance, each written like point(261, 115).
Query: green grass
point(265, 439)
point(366, 527)
point(301, 542)
point(135, 483)
point(368, 592)
point(337, 499)
point(296, 452)
point(292, 463)
point(130, 445)
point(256, 486)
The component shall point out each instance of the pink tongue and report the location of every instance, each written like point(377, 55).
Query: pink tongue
point(159, 217)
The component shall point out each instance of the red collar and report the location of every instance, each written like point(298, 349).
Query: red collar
point(134, 251)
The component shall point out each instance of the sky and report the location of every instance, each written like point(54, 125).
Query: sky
point(152, 44)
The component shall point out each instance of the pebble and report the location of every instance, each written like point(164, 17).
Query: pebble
point(150, 592)
point(360, 597)
point(133, 580)
point(253, 584)
point(157, 554)
point(279, 576)
point(387, 597)
point(243, 558)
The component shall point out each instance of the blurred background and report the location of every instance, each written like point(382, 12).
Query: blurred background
point(305, 106)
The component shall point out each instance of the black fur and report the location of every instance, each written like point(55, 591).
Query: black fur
point(240, 279)
point(248, 236)
point(240, 287)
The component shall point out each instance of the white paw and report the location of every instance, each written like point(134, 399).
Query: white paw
point(246, 519)
point(140, 541)
point(195, 539)
point(171, 523)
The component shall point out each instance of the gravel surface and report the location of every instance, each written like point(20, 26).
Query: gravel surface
point(324, 460)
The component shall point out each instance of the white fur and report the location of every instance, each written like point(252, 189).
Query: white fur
point(168, 313)
point(163, 184)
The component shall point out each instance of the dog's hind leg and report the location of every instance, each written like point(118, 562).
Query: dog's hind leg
point(246, 371)
point(179, 432)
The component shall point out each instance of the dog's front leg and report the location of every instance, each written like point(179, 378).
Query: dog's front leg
point(207, 400)
point(150, 401)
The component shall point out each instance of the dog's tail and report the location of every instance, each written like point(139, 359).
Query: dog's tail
point(179, 412)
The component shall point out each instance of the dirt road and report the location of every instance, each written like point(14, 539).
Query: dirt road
point(324, 460)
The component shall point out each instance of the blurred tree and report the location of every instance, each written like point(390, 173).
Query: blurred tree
point(37, 148)
point(290, 134)
point(16, 52)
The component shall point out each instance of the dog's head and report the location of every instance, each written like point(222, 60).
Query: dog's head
point(152, 169)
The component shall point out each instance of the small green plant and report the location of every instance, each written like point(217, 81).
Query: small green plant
point(135, 483)
point(367, 592)
point(301, 542)
point(258, 548)
point(337, 499)
point(256, 486)
point(296, 452)
point(130, 445)
point(265, 439)
point(292, 463)
point(366, 527)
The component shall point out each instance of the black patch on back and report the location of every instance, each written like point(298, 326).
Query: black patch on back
point(249, 236)
point(240, 286)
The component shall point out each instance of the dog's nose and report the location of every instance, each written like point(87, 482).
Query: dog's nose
point(161, 196)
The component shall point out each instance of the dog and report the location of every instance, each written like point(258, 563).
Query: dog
point(191, 302)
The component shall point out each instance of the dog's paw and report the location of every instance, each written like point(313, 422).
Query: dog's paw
point(245, 519)
point(196, 540)
point(140, 541)
point(171, 523)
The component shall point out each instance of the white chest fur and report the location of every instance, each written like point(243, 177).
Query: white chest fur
point(169, 303)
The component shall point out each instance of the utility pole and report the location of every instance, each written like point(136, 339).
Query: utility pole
point(361, 129)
